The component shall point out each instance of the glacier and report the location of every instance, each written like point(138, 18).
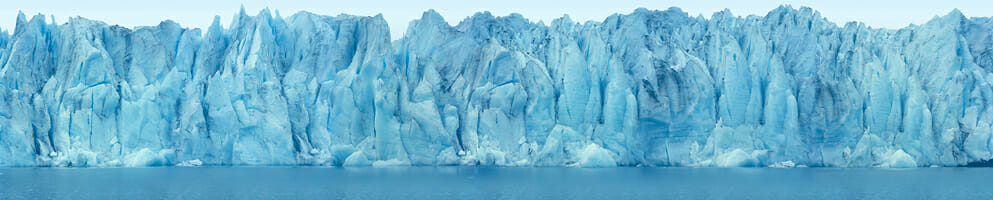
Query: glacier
point(648, 88)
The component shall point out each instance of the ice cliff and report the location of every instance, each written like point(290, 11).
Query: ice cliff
point(650, 88)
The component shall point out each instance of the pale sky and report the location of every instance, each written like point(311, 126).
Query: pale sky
point(398, 13)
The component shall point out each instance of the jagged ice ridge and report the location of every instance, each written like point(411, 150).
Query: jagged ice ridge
point(650, 88)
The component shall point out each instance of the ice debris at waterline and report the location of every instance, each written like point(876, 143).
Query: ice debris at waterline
point(650, 88)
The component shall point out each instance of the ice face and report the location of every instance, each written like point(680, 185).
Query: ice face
point(650, 88)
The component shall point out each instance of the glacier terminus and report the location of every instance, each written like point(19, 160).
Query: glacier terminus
point(648, 88)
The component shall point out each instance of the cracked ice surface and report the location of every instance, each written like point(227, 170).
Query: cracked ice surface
point(649, 88)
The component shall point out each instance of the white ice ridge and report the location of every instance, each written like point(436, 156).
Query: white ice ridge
point(649, 88)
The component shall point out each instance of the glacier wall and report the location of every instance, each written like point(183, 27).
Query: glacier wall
point(650, 88)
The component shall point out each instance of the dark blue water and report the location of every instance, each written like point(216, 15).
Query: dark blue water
point(494, 183)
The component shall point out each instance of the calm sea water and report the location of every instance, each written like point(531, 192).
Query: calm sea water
point(494, 183)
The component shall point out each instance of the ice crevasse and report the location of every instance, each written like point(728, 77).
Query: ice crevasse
point(649, 88)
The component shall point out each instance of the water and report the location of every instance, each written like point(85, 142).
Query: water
point(493, 183)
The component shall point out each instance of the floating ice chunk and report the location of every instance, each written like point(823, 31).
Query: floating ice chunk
point(190, 163)
point(784, 164)
point(390, 163)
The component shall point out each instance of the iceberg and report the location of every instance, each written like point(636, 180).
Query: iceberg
point(647, 88)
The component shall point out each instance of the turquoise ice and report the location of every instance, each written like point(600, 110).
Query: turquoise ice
point(649, 88)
